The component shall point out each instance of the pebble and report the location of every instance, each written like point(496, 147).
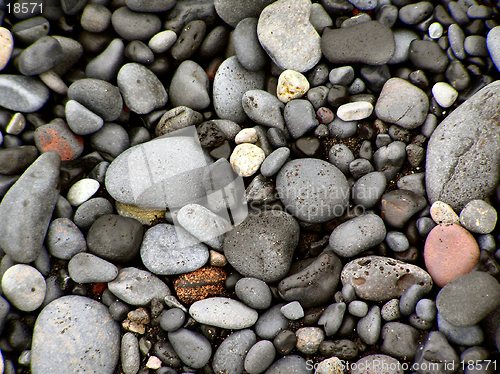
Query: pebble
point(24, 287)
point(142, 91)
point(479, 217)
point(246, 45)
point(129, 353)
point(16, 159)
point(493, 45)
point(246, 159)
point(135, 25)
point(263, 108)
point(368, 189)
point(271, 323)
point(475, 45)
point(309, 339)
point(323, 189)
point(390, 310)
point(444, 94)
point(99, 96)
point(273, 163)
point(81, 120)
point(6, 47)
point(105, 65)
point(315, 283)
point(172, 319)
point(189, 40)
point(331, 319)
point(289, 364)
point(189, 86)
point(436, 349)
point(232, 12)
point(399, 340)
point(64, 239)
point(343, 75)
point(224, 313)
point(95, 18)
point(398, 206)
point(270, 238)
point(412, 14)
point(442, 213)
point(192, 348)
point(40, 56)
point(82, 191)
point(300, 117)
point(254, 293)
point(137, 287)
point(155, 6)
point(435, 30)
point(468, 299)
point(176, 119)
point(87, 268)
point(409, 299)
point(397, 241)
point(402, 103)
point(358, 234)
point(341, 156)
point(57, 137)
point(423, 51)
point(460, 335)
point(27, 208)
point(462, 151)
point(369, 326)
point(259, 357)
point(22, 94)
point(355, 111)
point(368, 276)
point(248, 135)
point(230, 84)
point(358, 308)
point(332, 365)
point(374, 44)
point(115, 238)
point(230, 355)
point(200, 284)
point(83, 324)
point(291, 85)
point(168, 250)
point(456, 37)
point(426, 309)
point(162, 41)
point(89, 211)
point(287, 35)
point(292, 311)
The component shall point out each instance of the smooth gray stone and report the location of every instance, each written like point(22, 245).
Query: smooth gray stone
point(374, 360)
point(368, 327)
point(343, 75)
point(461, 335)
point(426, 309)
point(254, 293)
point(271, 322)
point(172, 319)
point(319, 18)
point(141, 89)
point(478, 216)
point(397, 241)
point(287, 35)
point(269, 240)
point(230, 84)
point(30, 30)
point(323, 189)
point(414, 13)
point(27, 208)
point(135, 26)
point(399, 340)
point(233, 12)
point(192, 348)
point(259, 357)
point(40, 56)
point(403, 39)
point(290, 364)
point(153, 6)
point(129, 353)
point(99, 96)
point(370, 43)
point(358, 234)
point(95, 18)
point(436, 349)
point(137, 51)
point(178, 118)
point(428, 56)
point(413, 182)
point(81, 120)
point(263, 108)
point(223, 312)
point(273, 163)
point(230, 355)
point(105, 66)
point(368, 189)
point(16, 159)
point(64, 239)
point(24, 287)
point(341, 156)
point(493, 45)
point(332, 318)
point(464, 150)
point(90, 210)
point(22, 94)
point(456, 38)
point(247, 47)
point(137, 287)
point(189, 40)
point(84, 325)
point(87, 268)
point(342, 129)
point(72, 53)
point(189, 86)
point(300, 117)
point(214, 43)
point(168, 250)
point(188, 10)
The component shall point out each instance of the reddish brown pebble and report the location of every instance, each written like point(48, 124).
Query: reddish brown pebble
point(56, 136)
point(200, 284)
point(450, 251)
point(324, 115)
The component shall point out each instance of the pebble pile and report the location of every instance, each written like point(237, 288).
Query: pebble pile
point(249, 186)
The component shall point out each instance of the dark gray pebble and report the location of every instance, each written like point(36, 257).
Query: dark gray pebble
point(135, 26)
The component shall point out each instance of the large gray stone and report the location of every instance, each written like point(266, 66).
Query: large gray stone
point(464, 151)
point(23, 94)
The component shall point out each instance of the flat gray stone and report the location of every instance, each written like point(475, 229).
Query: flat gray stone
point(189, 86)
point(22, 94)
point(87, 268)
point(223, 312)
point(75, 332)
point(464, 151)
point(192, 348)
point(24, 286)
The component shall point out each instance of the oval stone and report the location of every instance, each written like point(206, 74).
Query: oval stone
point(223, 312)
point(22, 94)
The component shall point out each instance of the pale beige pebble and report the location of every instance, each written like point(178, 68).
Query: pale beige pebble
point(217, 259)
point(291, 85)
point(53, 81)
point(16, 124)
point(309, 339)
point(82, 190)
point(332, 365)
point(162, 41)
point(246, 159)
point(154, 363)
point(355, 111)
point(444, 94)
point(248, 135)
point(145, 216)
point(443, 213)
point(135, 327)
point(6, 47)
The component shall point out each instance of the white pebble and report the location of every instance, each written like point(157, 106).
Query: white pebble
point(435, 30)
point(162, 41)
point(444, 94)
point(246, 136)
point(53, 81)
point(246, 159)
point(443, 213)
point(291, 85)
point(16, 124)
point(24, 287)
point(154, 363)
point(82, 190)
point(355, 111)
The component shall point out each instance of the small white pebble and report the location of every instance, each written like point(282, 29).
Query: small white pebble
point(355, 111)
point(53, 81)
point(443, 213)
point(435, 30)
point(291, 85)
point(444, 94)
point(16, 124)
point(246, 136)
point(154, 363)
point(162, 41)
point(246, 159)
point(82, 190)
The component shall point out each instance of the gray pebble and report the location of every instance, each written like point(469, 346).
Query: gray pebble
point(355, 236)
point(232, 12)
point(40, 56)
point(409, 299)
point(368, 189)
point(397, 241)
point(360, 167)
point(399, 340)
point(30, 30)
point(189, 86)
point(475, 45)
point(273, 163)
point(119, 310)
point(137, 51)
point(129, 353)
point(292, 311)
point(254, 293)
point(95, 18)
point(486, 242)
point(343, 75)
point(398, 206)
point(247, 47)
point(390, 310)
point(300, 117)
point(389, 159)
point(178, 118)
point(87, 268)
point(319, 18)
point(436, 349)
point(24, 287)
point(230, 355)
point(290, 364)
point(341, 156)
point(263, 108)
point(461, 335)
point(214, 43)
point(22, 94)
point(192, 348)
point(493, 45)
point(72, 52)
point(387, 15)
point(133, 25)
point(172, 319)
point(89, 211)
point(137, 287)
point(318, 96)
point(413, 182)
point(412, 14)
point(369, 326)
point(456, 37)
point(342, 129)
point(478, 216)
point(189, 40)
point(331, 319)
point(259, 357)
point(81, 120)
point(105, 65)
point(271, 322)
point(428, 56)
point(402, 39)
point(100, 141)
point(64, 239)
point(223, 312)
point(426, 309)
point(153, 6)
point(358, 308)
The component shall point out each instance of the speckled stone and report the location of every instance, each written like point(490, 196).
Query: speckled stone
point(200, 284)
point(223, 312)
point(291, 85)
point(246, 159)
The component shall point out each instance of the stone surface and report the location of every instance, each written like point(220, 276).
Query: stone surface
point(463, 149)
point(57, 137)
point(22, 94)
point(81, 120)
point(398, 206)
point(286, 34)
point(87, 268)
point(259, 357)
point(84, 325)
point(442, 213)
point(263, 108)
point(366, 364)
point(28, 207)
point(230, 355)
point(64, 239)
point(192, 347)
point(224, 313)
point(189, 86)
point(493, 45)
point(232, 12)
point(254, 293)
point(200, 284)
point(82, 191)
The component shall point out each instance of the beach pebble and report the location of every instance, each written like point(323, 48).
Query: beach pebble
point(230, 355)
point(64, 239)
point(24, 287)
point(192, 347)
point(493, 43)
point(254, 293)
point(331, 319)
point(271, 323)
point(288, 37)
point(390, 310)
point(87, 268)
point(355, 111)
point(428, 56)
point(40, 56)
point(246, 45)
point(309, 339)
point(442, 213)
point(132, 25)
point(397, 241)
point(291, 85)
point(189, 86)
point(162, 41)
point(399, 340)
point(81, 120)
point(273, 163)
point(6, 47)
point(22, 94)
point(292, 311)
point(369, 326)
point(444, 94)
point(259, 357)
point(289, 364)
point(263, 108)
point(368, 189)
point(82, 191)
point(478, 216)
point(224, 313)
point(398, 206)
point(57, 137)
point(300, 117)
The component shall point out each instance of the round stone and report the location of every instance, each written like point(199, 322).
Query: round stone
point(246, 159)
point(81, 120)
point(309, 339)
point(442, 213)
point(254, 293)
point(6, 47)
point(22, 94)
point(248, 135)
point(435, 30)
point(24, 287)
point(82, 190)
point(312, 190)
point(192, 348)
point(259, 357)
point(163, 41)
point(224, 313)
point(87, 268)
point(478, 216)
point(444, 94)
point(291, 85)
point(64, 239)
point(355, 111)
point(189, 86)
point(450, 251)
